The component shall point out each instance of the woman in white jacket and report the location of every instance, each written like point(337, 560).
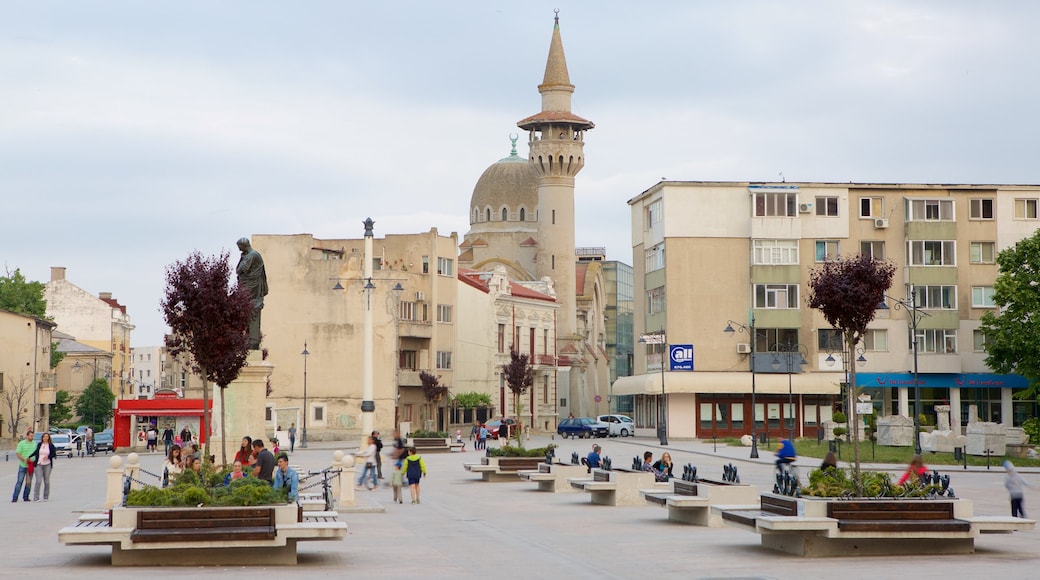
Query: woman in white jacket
point(369, 455)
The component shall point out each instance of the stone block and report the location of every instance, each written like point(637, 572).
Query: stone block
point(942, 441)
point(983, 436)
point(895, 431)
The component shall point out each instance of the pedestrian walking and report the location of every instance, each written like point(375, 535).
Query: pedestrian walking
point(414, 469)
point(482, 440)
point(379, 455)
point(397, 480)
point(292, 437)
point(167, 439)
point(1015, 484)
point(369, 455)
point(24, 449)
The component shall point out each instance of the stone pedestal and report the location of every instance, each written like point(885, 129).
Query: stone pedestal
point(895, 431)
point(942, 441)
point(986, 436)
point(246, 400)
point(942, 418)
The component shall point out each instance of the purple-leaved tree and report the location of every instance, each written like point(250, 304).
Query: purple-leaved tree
point(519, 376)
point(209, 320)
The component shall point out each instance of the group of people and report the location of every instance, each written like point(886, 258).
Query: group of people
point(408, 466)
point(479, 434)
point(35, 461)
point(662, 468)
point(252, 459)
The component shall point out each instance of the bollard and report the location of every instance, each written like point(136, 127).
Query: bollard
point(133, 469)
point(344, 492)
point(114, 482)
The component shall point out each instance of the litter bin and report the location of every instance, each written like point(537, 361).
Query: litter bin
point(832, 446)
point(958, 453)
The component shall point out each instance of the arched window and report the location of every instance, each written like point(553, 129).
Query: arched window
point(505, 214)
point(523, 214)
point(487, 215)
point(476, 215)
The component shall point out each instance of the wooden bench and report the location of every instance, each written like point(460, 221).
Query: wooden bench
point(430, 445)
point(206, 536)
point(617, 486)
point(817, 527)
point(690, 502)
point(555, 477)
point(503, 468)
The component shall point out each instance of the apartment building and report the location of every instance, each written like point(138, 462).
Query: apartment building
point(717, 256)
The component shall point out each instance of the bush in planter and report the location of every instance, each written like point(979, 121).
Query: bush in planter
point(248, 491)
point(873, 484)
point(513, 451)
point(421, 434)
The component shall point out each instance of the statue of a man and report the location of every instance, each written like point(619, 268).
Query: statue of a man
point(251, 274)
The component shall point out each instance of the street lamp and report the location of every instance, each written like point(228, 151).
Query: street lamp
point(789, 350)
point(397, 290)
point(848, 393)
point(303, 436)
point(910, 307)
point(661, 339)
point(750, 330)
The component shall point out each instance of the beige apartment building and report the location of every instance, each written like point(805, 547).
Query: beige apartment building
point(716, 255)
point(317, 303)
point(27, 383)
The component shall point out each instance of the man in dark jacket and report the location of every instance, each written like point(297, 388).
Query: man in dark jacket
point(379, 455)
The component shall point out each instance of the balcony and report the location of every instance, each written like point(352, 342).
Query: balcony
point(408, 378)
point(415, 329)
point(545, 360)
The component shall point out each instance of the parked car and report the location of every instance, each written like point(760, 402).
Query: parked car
point(63, 442)
point(619, 425)
point(584, 427)
point(494, 426)
point(104, 441)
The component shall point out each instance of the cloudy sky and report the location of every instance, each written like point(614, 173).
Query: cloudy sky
point(132, 133)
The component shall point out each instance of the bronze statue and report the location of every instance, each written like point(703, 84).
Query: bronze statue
point(252, 275)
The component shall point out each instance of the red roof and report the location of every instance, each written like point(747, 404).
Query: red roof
point(579, 276)
point(474, 279)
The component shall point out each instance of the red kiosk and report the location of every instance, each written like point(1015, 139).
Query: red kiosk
point(157, 407)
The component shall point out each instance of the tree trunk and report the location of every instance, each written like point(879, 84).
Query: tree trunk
point(852, 415)
point(206, 417)
point(223, 427)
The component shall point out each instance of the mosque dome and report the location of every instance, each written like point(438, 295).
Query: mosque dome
point(510, 184)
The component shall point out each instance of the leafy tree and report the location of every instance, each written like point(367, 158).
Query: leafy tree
point(519, 376)
point(60, 411)
point(19, 295)
point(1013, 333)
point(209, 319)
point(847, 291)
point(56, 357)
point(432, 390)
point(94, 404)
point(17, 398)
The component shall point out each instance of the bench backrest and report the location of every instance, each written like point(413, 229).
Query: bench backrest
point(428, 442)
point(682, 487)
point(600, 475)
point(162, 519)
point(520, 462)
point(891, 510)
point(779, 505)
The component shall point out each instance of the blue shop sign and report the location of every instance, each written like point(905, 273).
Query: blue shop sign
point(942, 380)
point(680, 357)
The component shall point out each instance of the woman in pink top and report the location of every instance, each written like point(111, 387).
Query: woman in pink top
point(43, 457)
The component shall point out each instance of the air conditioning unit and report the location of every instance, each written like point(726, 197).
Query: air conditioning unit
point(420, 296)
point(804, 207)
point(880, 223)
point(743, 348)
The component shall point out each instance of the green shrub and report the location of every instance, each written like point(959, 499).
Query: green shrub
point(1032, 428)
point(514, 451)
point(248, 491)
point(839, 431)
point(420, 434)
point(835, 482)
point(840, 417)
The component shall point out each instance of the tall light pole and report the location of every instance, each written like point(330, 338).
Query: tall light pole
point(909, 306)
point(368, 404)
point(789, 351)
point(303, 436)
point(397, 290)
point(661, 339)
point(750, 330)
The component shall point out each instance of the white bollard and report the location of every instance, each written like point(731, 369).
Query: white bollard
point(114, 482)
point(345, 463)
point(133, 469)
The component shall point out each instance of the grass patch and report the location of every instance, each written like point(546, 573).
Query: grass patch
point(809, 448)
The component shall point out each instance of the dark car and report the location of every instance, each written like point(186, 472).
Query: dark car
point(584, 427)
point(103, 441)
point(494, 426)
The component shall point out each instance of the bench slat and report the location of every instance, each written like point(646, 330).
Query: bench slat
point(904, 526)
point(193, 535)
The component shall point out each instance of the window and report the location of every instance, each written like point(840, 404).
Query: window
point(982, 297)
point(505, 214)
point(828, 339)
point(937, 341)
point(875, 249)
point(425, 264)
point(545, 342)
point(931, 210)
point(377, 264)
point(1025, 209)
point(523, 214)
point(876, 339)
point(655, 300)
point(827, 206)
point(784, 296)
point(444, 313)
point(932, 252)
point(501, 338)
point(826, 250)
point(980, 209)
point(776, 203)
point(777, 252)
point(445, 266)
point(269, 413)
point(766, 339)
point(408, 412)
point(545, 388)
point(444, 359)
point(530, 341)
point(655, 258)
point(935, 297)
point(871, 207)
point(654, 213)
point(979, 342)
point(318, 413)
point(406, 311)
point(408, 360)
point(487, 214)
point(982, 252)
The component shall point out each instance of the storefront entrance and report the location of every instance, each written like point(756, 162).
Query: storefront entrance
point(775, 415)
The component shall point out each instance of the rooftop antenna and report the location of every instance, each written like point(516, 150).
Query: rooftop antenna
point(782, 178)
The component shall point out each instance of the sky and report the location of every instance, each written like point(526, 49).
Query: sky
point(134, 133)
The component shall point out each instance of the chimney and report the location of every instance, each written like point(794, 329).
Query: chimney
point(105, 295)
point(57, 273)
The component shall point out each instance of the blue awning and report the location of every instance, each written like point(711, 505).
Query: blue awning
point(942, 380)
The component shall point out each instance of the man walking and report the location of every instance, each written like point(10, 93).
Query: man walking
point(379, 455)
point(167, 439)
point(292, 437)
point(23, 451)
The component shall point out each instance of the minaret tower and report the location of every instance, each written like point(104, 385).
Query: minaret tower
point(557, 143)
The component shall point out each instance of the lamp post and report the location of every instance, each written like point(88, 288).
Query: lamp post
point(788, 351)
point(397, 290)
point(661, 339)
point(909, 305)
point(847, 394)
point(750, 330)
point(303, 434)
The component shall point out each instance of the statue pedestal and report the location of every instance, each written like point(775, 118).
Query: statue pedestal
point(246, 401)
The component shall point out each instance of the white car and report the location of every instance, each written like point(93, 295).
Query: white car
point(619, 425)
